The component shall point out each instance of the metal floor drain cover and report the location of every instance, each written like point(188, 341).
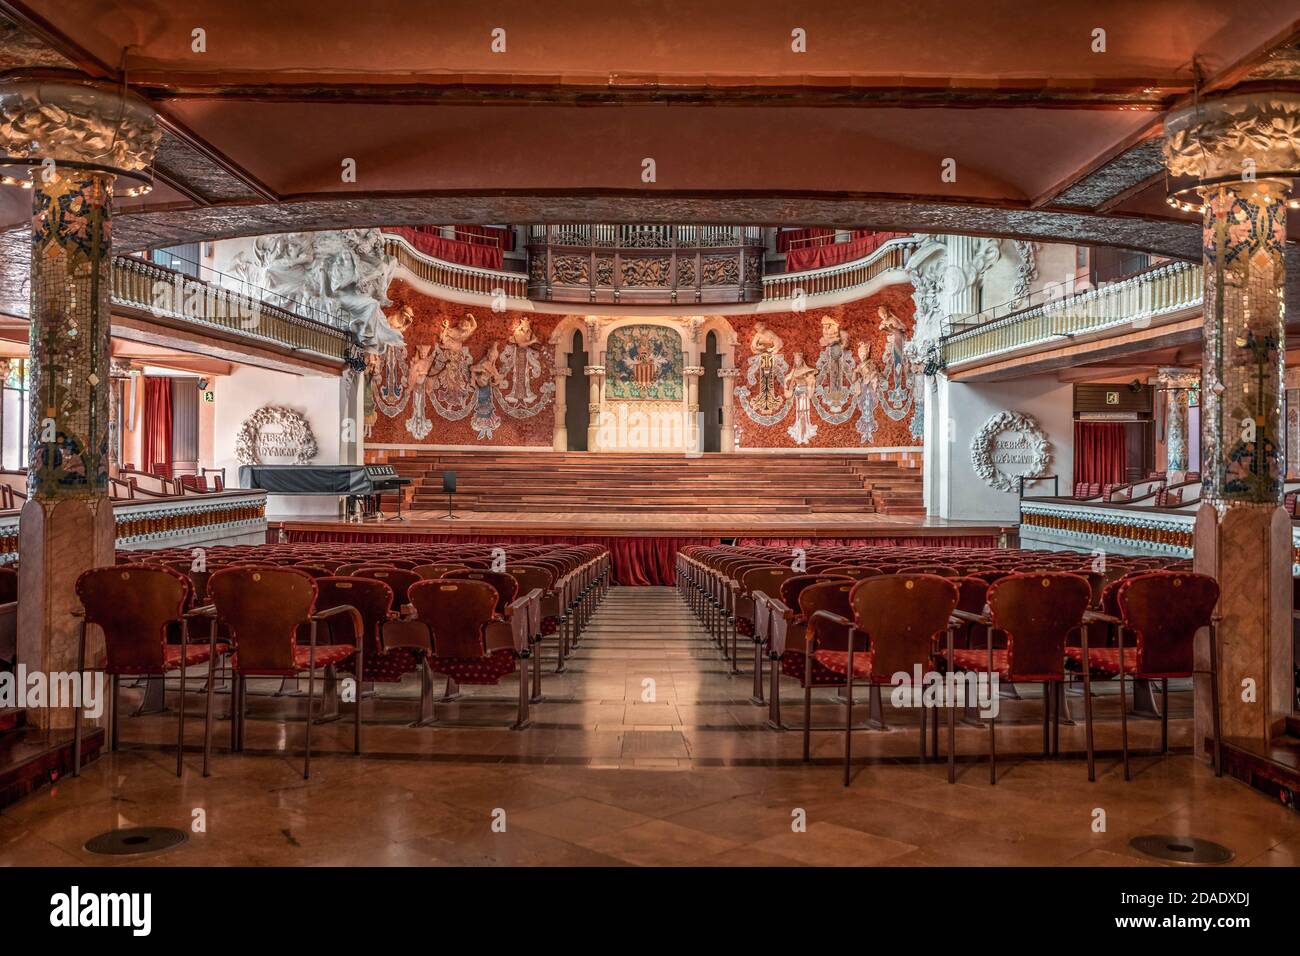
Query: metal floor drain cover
point(1182, 849)
point(134, 840)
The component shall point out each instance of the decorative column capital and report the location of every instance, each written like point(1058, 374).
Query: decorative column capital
point(726, 373)
point(590, 370)
point(563, 371)
point(89, 126)
point(1236, 137)
point(693, 370)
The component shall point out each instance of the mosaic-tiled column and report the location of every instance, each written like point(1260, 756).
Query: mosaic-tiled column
point(595, 376)
point(1177, 384)
point(73, 145)
point(71, 280)
point(1236, 157)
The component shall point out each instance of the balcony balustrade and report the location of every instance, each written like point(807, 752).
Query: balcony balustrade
point(1138, 301)
point(644, 265)
point(140, 284)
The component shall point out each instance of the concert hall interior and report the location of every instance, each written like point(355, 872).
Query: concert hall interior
point(679, 434)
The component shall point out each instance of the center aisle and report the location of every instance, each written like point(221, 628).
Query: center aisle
point(649, 672)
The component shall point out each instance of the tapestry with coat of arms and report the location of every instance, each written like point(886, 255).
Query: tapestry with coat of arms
point(644, 363)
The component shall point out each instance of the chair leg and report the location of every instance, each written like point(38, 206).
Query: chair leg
point(180, 710)
point(952, 718)
point(1057, 705)
point(1164, 715)
point(1123, 702)
point(1047, 716)
point(76, 711)
point(774, 696)
point(923, 721)
point(361, 669)
point(426, 714)
point(933, 718)
point(113, 713)
point(1214, 701)
point(521, 719)
point(1087, 705)
point(848, 720)
point(993, 718)
point(807, 722)
point(207, 713)
point(537, 670)
point(311, 693)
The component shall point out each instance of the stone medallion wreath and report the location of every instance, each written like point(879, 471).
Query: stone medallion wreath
point(294, 438)
point(1014, 440)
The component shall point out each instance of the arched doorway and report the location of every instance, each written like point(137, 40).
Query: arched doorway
point(711, 396)
point(576, 415)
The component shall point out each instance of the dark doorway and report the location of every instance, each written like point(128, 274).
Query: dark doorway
point(576, 416)
point(711, 396)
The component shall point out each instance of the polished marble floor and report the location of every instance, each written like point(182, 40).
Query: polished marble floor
point(645, 752)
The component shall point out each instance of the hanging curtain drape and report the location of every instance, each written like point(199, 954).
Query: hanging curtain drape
point(157, 425)
point(1100, 453)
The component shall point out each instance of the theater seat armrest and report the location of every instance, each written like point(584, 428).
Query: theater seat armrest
point(966, 617)
point(358, 625)
point(824, 622)
point(207, 610)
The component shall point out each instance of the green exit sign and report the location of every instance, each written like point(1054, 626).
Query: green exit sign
point(209, 396)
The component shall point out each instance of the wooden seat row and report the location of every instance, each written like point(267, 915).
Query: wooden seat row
point(473, 614)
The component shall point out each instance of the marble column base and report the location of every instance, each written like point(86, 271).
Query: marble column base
point(1248, 549)
point(58, 539)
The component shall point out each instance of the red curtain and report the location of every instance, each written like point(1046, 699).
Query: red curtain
point(803, 258)
point(1100, 452)
point(787, 236)
point(157, 424)
point(477, 254)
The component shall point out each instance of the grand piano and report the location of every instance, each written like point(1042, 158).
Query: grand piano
point(355, 488)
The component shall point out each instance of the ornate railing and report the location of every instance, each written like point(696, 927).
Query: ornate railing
point(1119, 530)
point(1137, 301)
point(454, 276)
point(145, 285)
point(637, 264)
point(637, 236)
point(889, 256)
point(167, 522)
point(1132, 530)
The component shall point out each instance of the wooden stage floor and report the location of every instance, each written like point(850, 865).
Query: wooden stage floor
point(657, 525)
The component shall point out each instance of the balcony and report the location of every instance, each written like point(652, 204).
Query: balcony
point(645, 265)
point(453, 276)
point(889, 256)
point(159, 291)
point(1167, 292)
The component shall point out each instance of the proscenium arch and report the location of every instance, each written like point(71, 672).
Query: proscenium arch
point(135, 230)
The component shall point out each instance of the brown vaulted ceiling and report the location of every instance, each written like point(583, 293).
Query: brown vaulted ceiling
point(1050, 139)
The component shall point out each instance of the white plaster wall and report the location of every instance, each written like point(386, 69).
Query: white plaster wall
point(953, 489)
point(246, 390)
